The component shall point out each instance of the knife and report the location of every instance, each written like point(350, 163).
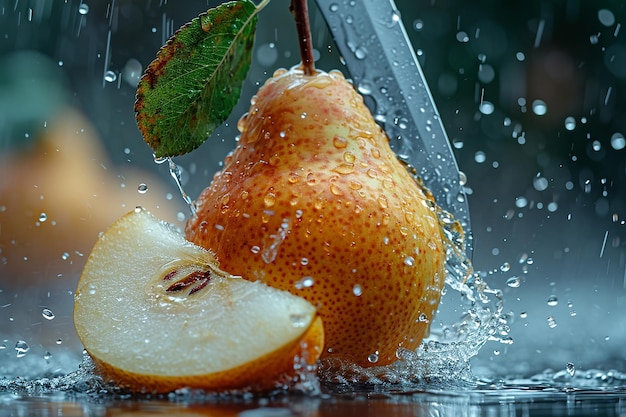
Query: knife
point(377, 52)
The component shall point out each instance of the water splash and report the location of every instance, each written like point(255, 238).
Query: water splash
point(444, 357)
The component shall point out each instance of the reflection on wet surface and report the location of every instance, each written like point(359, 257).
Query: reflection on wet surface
point(335, 402)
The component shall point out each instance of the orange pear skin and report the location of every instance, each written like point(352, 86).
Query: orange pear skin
point(314, 201)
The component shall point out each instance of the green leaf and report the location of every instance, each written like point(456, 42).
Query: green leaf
point(195, 81)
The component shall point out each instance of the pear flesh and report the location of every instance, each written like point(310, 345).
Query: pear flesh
point(156, 313)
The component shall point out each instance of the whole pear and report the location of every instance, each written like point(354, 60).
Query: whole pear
point(313, 200)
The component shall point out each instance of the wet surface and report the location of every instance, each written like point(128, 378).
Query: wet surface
point(525, 401)
point(533, 101)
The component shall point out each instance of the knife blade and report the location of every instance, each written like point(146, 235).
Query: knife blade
point(377, 52)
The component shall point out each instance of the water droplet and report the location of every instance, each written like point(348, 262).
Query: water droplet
point(110, 76)
point(255, 249)
point(480, 157)
point(47, 355)
point(551, 322)
point(462, 37)
point(539, 107)
point(553, 300)
point(596, 145)
point(43, 217)
point(540, 183)
point(618, 142)
point(22, 348)
point(523, 315)
point(340, 142)
point(142, 188)
point(83, 9)
point(267, 54)
point(132, 71)
point(333, 7)
point(59, 341)
point(418, 25)
point(486, 107)
point(570, 368)
point(570, 123)
point(423, 318)
point(409, 261)
point(47, 314)
point(486, 73)
point(65, 256)
point(505, 267)
point(514, 282)
point(521, 202)
point(344, 168)
point(269, 199)
point(305, 282)
point(360, 52)
point(365, 88)
point(357, 290)
point(606, 17)
point(373, 358)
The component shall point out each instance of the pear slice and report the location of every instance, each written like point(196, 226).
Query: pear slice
point(156, 314)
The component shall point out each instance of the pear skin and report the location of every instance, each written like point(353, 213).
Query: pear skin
point(314, 201)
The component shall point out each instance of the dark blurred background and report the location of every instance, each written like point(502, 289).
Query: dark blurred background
point(532, 95)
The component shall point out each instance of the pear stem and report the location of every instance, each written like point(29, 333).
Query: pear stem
point(301, 14)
